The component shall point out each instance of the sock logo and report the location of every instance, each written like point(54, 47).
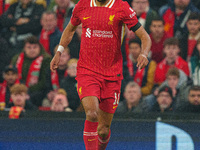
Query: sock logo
point(91, 140)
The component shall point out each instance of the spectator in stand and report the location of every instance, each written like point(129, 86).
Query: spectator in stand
point(176, 15)
point(188, 41)
point(54, 79)
point(158, 36)
point(172, 58)
point(31, 65)
point(20, 97)
point(195, 64)
point(22, 20)
point(60, 102)
point(63, 10)
point(144, 77)
point(50, 34)
point(193, 103)
point(164, 101)
point(75, 43)
point(143, 12)
point(177, 81)
point(133, 99)
point(10, 76)
point(175, 78)
point(69, 83)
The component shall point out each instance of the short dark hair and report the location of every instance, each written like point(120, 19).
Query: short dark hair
point(135, 40)
point(194, 88)
point(173, 71)
point(171, 41)
point(32, 40)
point(158, 18)
point(194, 16)
point(49, 12)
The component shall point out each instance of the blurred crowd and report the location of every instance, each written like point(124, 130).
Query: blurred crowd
point(30, 31)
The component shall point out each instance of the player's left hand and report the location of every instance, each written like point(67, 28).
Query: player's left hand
point(142, 61)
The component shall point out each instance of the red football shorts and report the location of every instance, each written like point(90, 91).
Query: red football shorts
point(108, 92)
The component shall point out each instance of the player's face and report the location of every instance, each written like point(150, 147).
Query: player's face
point(157, 28)
point(193, 26)
point(164, 100)
point(140, 6)
point(181, 4)
point(171, 51)
point(48, 22)
point(32, 50)
point(172, 81)
point(134, 50)
point(64, 59)
point(194, 97)
point(10, 77)
point(132, 95)
point(19, 99)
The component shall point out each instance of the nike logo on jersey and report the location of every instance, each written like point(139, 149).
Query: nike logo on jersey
point(84, 18)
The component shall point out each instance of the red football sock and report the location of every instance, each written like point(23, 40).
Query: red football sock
point(103, 142)
point(90, 135)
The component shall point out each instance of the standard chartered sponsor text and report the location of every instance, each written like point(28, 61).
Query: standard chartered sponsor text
point(104, 34)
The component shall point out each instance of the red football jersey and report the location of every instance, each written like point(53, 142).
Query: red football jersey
point(102, 30)
point(163, 67)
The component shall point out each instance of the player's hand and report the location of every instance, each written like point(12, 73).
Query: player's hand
point(55, 61)
point(142, 61)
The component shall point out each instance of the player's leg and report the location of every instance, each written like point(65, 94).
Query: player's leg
point(103, 129)
point(90, 136)
point(110, 93)
point(89, 92)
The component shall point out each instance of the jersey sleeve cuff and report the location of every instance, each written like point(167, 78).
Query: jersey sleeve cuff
point(72, 22)
point(137, 26)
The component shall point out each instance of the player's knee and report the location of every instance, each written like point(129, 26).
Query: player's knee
point(103, 130)
point(92, 116)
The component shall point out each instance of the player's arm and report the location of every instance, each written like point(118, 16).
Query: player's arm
point(67, 35)
point(146, 45)
point(64, 41)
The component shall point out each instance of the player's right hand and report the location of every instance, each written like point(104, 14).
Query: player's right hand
point(55, 61)
point(142, 61)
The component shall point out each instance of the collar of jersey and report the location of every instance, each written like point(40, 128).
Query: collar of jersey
point(109, 4)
